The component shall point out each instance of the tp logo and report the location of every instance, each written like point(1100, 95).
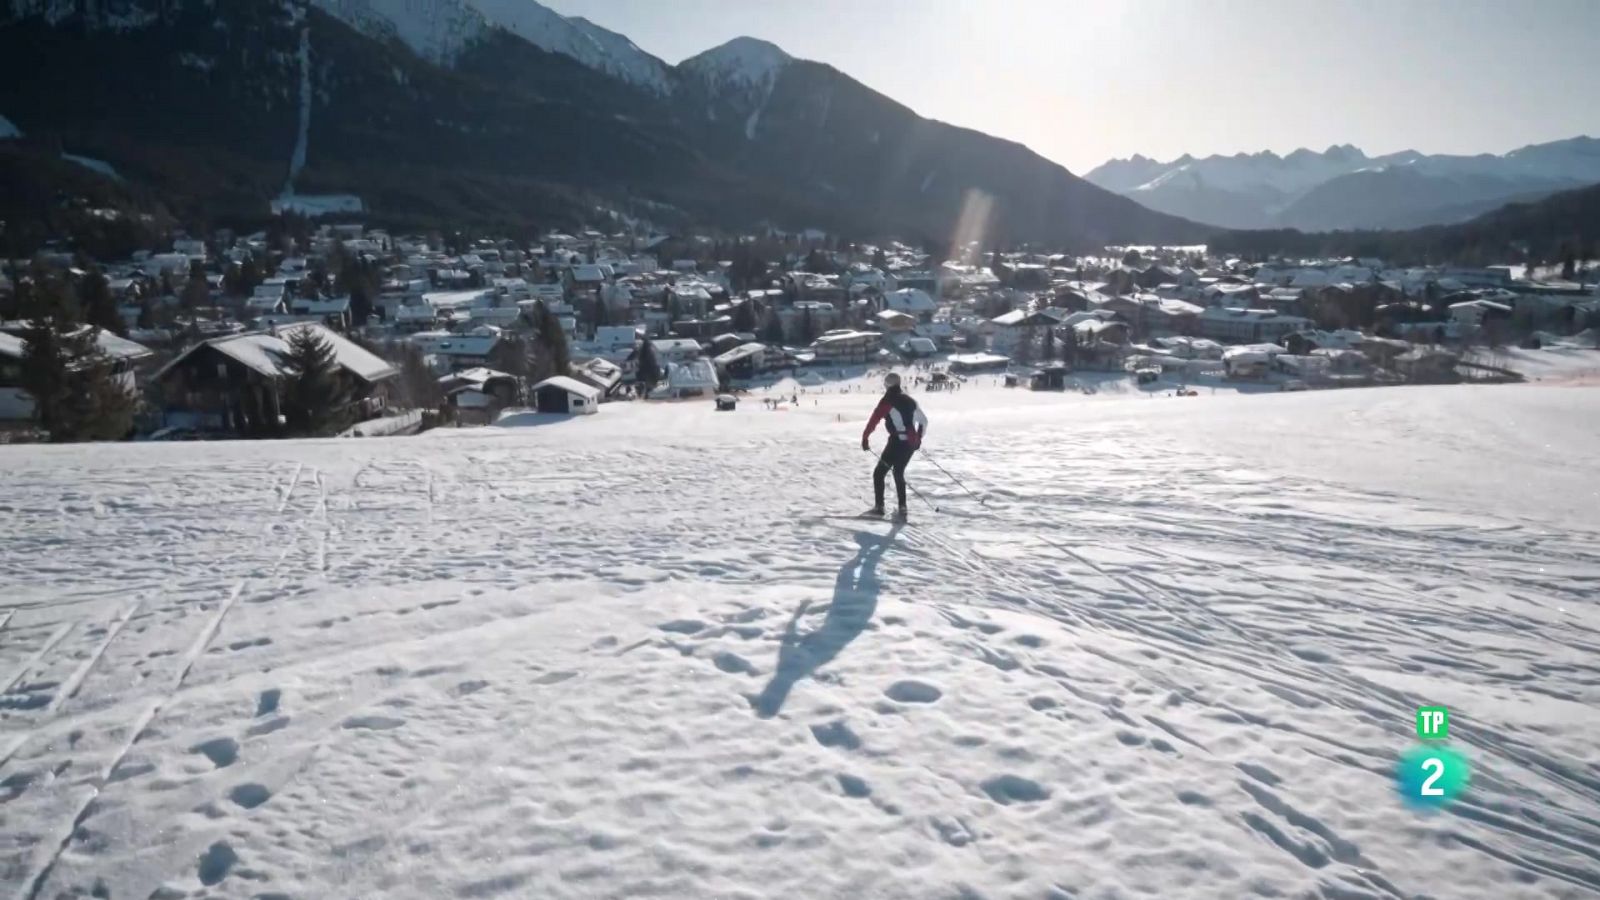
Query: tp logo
point(1431, 776)
point(1433, 723)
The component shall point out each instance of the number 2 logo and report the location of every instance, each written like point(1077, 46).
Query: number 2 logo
point(1435, 765)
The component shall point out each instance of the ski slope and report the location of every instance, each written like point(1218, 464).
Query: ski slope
point(1175, 654)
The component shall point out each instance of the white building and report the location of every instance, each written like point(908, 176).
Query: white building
point(1252, 325)
point(563, 394)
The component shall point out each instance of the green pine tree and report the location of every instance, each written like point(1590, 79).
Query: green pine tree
point(315, 399)
point(196, 292)
point(744, 316)
point(1068, 345)
point(512, 356)
point(76, 393)
point(552, 343)
point(772, 329)
point(649, 373)
point(419, 387)
point(99, 307)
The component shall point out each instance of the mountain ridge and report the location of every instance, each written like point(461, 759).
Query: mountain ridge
point(444, 115)
point(1314, 191)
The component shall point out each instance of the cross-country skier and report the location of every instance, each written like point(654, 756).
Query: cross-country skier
point(906, 425)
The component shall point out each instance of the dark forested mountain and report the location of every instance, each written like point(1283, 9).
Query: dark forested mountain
point(823, 135)
point(1559, 225)
point(501, 113)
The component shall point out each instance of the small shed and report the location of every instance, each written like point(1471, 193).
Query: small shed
point(561, 394)
point(726, 403)
point(1050, 378)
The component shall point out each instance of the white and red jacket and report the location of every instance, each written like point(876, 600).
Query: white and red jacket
point(901, 417)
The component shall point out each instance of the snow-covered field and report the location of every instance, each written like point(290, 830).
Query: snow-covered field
point(1176, 654)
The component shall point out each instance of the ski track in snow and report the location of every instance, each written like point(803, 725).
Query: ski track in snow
point(1177, 652)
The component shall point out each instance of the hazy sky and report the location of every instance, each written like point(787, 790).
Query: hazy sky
point(1081, 82)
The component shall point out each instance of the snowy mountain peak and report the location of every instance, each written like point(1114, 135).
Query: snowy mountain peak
point(588, 43)
point(439, 30)
point(743, 62)
point(436, 30)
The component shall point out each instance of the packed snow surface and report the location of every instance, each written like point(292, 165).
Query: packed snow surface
point(1176, 653)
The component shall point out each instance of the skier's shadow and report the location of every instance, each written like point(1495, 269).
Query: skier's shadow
point(855, 599)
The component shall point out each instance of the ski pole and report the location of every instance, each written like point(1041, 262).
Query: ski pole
point(913, 488)
point(982, 501)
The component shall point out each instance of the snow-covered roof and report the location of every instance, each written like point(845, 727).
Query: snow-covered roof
point(1481, 304)
point(263, 351)
point(601, 372)
point(672, 345)
point(691, 291)
point(327, 307)
point(448, 344)
point(456, 299)
point(740, 352)
point(979, 359)
point(109, 343)
point(570, 385)
point(911, 300)
point(697, 373)
point(845, 336)
point(479, 375)
point(119, 347)
point(1021, 317)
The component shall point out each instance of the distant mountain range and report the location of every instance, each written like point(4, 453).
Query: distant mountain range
point(502, 113)
point(1558, 226)
point(1343, 188)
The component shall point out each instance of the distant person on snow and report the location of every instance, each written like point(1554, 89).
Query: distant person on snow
point(906, 425)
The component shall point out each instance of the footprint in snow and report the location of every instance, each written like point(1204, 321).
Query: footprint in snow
point(221, 751)
point(911, 691)
point(854, 787)
point(215, 863)
point(250, 795)
point(267, 703)
point(733, 663)
point(836, 734)
point(1008, 789)
point(373, 723)
point(468, 687)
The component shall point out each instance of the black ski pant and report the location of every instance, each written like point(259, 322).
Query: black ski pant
point(894, 458)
